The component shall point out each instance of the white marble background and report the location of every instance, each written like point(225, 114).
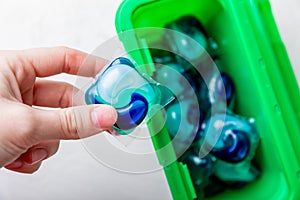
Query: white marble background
point(84, 24)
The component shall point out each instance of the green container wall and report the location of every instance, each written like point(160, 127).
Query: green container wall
point(252, 52)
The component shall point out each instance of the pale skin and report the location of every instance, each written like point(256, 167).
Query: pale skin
point(29, 135)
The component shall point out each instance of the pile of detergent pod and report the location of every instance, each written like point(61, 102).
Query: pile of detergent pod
point(221, 144)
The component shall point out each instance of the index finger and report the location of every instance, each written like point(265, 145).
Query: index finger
point(56, 60)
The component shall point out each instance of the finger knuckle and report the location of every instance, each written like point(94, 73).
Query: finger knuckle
point(66, 97)
point(68, 123)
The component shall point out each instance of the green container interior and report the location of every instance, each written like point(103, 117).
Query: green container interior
point(251, 51)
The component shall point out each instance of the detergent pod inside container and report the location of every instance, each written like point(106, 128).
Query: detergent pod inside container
point(181, 43)
point(234, 141)
point(135, 96)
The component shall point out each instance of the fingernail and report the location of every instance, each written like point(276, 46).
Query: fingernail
point(38, 155)
point(16, 164)
point(104, 116)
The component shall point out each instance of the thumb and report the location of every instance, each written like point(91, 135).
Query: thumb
point(74, 122)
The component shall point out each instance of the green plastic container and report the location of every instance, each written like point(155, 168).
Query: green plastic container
point(253, 54)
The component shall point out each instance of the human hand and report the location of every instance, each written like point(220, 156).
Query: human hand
point(29, 135)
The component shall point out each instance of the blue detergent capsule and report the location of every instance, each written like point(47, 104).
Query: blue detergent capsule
point(231, 137)
point(218, 91)
point(233, 140)
point(183, 119)
point(183, 116)
point(235, 147)
point(170, 75)
point(180, 121)
point(123, 87)
point(184, 44)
